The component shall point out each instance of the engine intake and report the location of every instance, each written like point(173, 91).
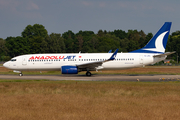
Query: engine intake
point(69, 70)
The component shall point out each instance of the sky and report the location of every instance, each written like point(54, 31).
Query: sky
point(59, 16)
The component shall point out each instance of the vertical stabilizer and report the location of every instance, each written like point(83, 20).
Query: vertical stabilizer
point(158, 43)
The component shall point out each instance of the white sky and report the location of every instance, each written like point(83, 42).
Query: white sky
point(59, 16)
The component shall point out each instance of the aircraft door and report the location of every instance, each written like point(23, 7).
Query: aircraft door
point(141, 59)
point(78, 57)
point(24, 61)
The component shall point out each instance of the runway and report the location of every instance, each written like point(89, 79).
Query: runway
point(141, 78)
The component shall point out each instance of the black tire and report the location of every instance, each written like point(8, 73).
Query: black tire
point(20, 74)
point(88, 73)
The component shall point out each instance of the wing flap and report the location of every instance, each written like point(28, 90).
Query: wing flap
point(90, 65)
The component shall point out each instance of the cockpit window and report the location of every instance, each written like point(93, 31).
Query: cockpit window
point(13, 60)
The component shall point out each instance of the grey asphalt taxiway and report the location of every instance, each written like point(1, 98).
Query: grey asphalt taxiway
point(142, 78)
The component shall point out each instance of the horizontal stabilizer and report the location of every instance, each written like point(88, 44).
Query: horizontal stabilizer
point(165, 54)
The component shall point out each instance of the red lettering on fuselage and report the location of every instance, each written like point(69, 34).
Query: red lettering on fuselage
point(45, 57)
point(37, 57)
point(61, 57)
point(32, 58)
point(42, 57)
point(54, 57)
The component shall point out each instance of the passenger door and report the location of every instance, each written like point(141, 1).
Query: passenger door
point(24, 61)
point(141, 59)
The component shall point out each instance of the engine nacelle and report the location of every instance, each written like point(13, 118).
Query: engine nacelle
point(69, 70)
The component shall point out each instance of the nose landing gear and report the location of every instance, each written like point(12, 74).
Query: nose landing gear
point(20, 73)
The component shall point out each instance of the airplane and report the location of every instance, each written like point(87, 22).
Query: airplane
point(73, 63)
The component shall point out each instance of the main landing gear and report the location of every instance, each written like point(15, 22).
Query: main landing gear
point(88, 73)
point(20, 74)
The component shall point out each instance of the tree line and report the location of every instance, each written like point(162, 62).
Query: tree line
point(35, 39)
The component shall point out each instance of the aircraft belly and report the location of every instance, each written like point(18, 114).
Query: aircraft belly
point(118, 65)
point(42, 66)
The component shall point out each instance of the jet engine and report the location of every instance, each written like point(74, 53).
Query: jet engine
point(69, 70)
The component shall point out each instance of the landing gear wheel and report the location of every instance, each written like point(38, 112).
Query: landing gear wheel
point(20, 74)
point(88, 73)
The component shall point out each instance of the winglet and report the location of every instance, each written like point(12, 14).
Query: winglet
point(110, 51)
point(113, 55)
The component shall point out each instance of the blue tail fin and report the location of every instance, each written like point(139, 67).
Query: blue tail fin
point(158, 43)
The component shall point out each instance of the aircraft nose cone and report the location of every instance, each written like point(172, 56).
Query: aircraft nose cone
point(5, 64)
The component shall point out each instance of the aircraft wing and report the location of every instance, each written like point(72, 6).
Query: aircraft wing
point(90, 66)
point(165, 54)
point(93, 65)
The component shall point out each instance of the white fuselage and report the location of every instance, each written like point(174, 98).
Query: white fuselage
point(55, 61)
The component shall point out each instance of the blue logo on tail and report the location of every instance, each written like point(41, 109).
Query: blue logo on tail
point(158, 43)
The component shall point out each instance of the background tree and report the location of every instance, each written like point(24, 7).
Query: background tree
point(80, 41)
point(3, 51)
point(55, 43)
point(38, 45)
point(84, 38)
point(147, 39)
point(70, 42)
point(35, 37)
point(108, 42)
point(16, 46)
point(119, 33)
point(94, 43)
point(174, 44)
point(35, 30)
